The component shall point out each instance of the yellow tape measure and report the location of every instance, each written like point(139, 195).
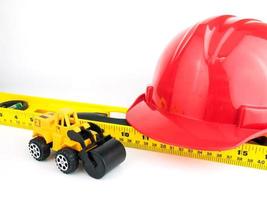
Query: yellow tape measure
point(249, 155)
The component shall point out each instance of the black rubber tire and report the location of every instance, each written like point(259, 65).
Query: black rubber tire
point(39, 149)
point(69, 156)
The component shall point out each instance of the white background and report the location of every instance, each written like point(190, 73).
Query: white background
point(105, 52)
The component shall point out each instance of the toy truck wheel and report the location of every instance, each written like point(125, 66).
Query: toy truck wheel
point(67, 160)
point(38, 148)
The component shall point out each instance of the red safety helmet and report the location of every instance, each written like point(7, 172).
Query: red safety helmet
point(210, 88)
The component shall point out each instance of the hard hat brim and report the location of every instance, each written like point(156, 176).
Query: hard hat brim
point(186, 132)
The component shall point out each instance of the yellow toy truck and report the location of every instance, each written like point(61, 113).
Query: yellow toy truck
point(73, 139)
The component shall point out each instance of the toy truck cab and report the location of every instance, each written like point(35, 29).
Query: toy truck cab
point(69, 119)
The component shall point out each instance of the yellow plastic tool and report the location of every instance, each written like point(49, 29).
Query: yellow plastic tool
point(249, 155)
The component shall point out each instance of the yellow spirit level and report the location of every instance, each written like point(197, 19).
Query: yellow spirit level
point(24, 108)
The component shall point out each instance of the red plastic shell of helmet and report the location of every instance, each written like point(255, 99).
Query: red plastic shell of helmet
point(210, 88)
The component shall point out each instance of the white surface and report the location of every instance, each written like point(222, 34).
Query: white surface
point(106, 52)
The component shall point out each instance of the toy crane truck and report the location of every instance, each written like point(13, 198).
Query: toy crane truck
point(74, 140)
